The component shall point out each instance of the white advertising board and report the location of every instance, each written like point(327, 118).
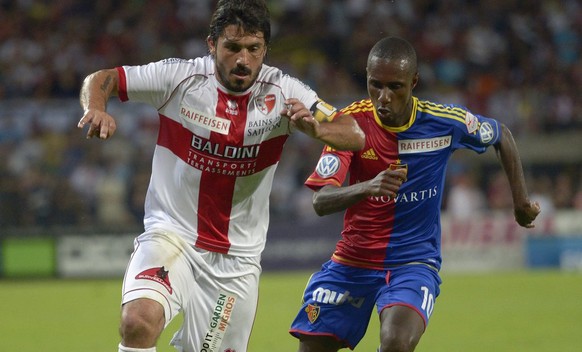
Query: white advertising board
point(83, 256)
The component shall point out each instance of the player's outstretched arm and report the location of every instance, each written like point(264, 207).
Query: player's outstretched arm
point(342, 133)
point(97, 88)
point(331, 199)
point(525, 211)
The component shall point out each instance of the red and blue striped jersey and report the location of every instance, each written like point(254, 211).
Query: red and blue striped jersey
point(380, 232)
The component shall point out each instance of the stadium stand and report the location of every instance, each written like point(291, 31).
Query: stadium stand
point(518, 61)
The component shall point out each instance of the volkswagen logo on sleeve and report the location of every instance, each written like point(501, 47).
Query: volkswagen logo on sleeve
point(486, 132)
point(328, 165)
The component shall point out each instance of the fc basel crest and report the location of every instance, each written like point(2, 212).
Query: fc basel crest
point(398, 166)
point(265, 103)
point(312, 312)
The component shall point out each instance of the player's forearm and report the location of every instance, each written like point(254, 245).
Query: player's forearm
point(508, 155)
point(343, 133)
point(331, 199)
point(97, 88)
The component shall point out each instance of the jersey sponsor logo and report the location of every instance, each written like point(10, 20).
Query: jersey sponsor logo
point(471, 122)
point(173, 60)
point(410, 146)
point(407, 197)
point(380, 199)
point(224, 160)
point(212, 123)
point(327, 296)
point(225, 151)
point(265, 103)
point(209, 164)
point(416, 196)
point(486, 132)
point(159, 275)
point(312, 311)
point(328, 165)
point(219, 321)
point(262, 126)
point(369, 154)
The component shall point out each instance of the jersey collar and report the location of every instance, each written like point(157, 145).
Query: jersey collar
point(401, 128)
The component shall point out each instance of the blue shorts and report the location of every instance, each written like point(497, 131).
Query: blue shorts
point(339, 299)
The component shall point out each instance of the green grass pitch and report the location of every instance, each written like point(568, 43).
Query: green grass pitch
point(515, 311)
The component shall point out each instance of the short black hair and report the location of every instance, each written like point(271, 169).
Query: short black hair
point(394, 48)
point(252, 16)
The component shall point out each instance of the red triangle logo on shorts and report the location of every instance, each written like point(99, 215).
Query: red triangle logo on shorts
point(159, 275)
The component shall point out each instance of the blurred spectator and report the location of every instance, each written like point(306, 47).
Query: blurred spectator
point(541, 192)
point(517, 61)
point(563, 190)
point(494, 53)
point(465, 196)
point(578, 195)
point(498, 192)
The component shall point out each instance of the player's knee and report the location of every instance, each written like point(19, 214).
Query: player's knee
point(141, 324)
point(393, 342)
point(134, 327)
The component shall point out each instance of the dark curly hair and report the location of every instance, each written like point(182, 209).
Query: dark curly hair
point(251, 15)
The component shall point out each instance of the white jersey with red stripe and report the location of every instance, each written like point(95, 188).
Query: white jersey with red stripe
point(216, 152)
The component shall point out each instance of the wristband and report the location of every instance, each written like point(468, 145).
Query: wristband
point(322, 111)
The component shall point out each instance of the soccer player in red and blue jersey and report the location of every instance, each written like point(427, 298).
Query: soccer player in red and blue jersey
point(389, 254)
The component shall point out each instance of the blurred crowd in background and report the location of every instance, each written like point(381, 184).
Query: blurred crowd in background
point(519, 61)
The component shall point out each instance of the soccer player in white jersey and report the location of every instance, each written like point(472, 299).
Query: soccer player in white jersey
point(224, 119)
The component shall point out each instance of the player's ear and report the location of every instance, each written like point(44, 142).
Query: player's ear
point(415, 80)
point(211, 45)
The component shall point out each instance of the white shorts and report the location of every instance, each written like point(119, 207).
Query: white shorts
point(217, 293)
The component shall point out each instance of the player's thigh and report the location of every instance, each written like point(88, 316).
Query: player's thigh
point(239, 299)
point(308, 343)
point(337, 304)
point(401, 325)
point(221, 310)
point(414, 287)
point(159, 271)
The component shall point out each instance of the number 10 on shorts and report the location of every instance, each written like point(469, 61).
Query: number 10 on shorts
point(427, 301)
